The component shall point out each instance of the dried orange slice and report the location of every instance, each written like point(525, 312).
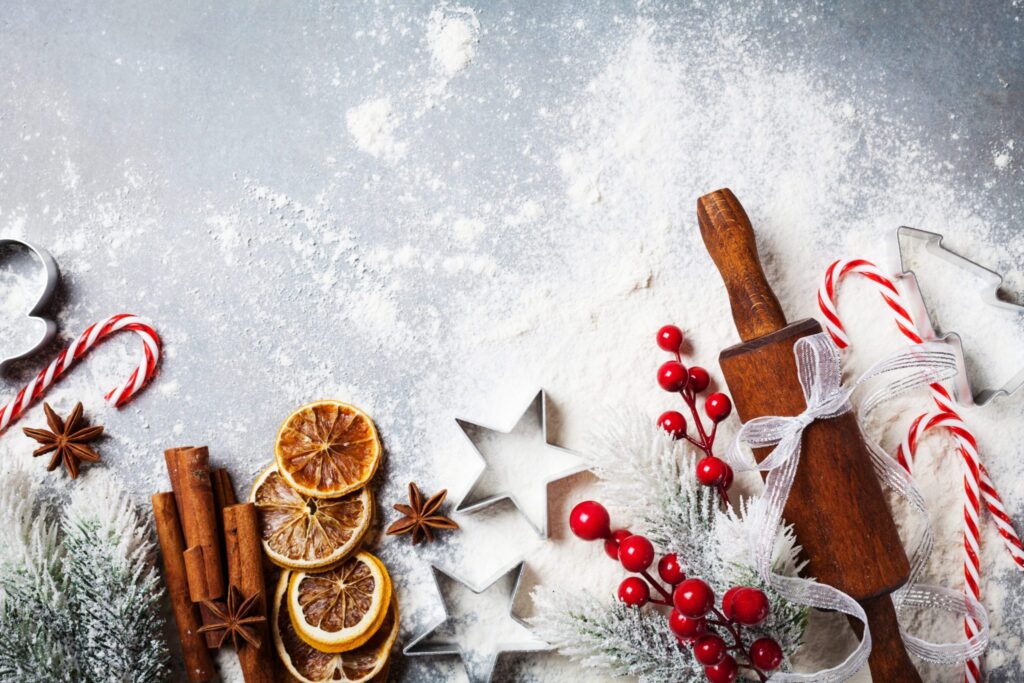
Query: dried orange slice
point(302, 532)
point(326, 449)
point(366, 663)
point(340, 609)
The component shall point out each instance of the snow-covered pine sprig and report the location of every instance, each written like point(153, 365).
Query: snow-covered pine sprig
point(645, 472)
point(79, 595)
point(609, 635)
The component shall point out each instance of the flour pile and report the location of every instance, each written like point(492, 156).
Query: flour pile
point(492, 207)
point(452, 33)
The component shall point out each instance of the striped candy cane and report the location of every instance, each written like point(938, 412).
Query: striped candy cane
point(905, 454)
point(93, 334)
point(977, 484)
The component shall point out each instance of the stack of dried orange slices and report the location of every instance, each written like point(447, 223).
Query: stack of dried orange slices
point(334, 615)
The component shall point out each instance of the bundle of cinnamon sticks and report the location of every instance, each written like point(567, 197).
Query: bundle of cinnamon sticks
point(213, 562)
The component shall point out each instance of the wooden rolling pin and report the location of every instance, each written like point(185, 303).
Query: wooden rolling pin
point(836, 505)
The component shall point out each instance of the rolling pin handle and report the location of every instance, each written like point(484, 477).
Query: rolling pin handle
point(729, 238)
point(889, 660)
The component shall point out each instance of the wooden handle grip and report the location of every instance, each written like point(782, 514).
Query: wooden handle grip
point(889, 660)
point(729, 238)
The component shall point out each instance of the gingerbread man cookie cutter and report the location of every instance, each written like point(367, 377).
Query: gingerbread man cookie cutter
point(52, 276)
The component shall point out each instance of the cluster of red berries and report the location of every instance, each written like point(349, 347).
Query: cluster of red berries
point(688, 383)
point(693, 617)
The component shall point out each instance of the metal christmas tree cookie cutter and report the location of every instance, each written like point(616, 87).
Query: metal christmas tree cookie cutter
point(424, 646)
point(989, 295)
point(52, 276)
point(475, 500)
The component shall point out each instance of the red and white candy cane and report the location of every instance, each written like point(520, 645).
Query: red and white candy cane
point(977, 484)
point(905, 454)
point(93, 334)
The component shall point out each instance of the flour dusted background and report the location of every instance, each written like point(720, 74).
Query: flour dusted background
point(433, 209)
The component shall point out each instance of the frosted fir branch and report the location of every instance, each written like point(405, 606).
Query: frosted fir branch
point(607, 635)
point(29, 550)
point(113, 585)
point(34, 624)
point(79, 599)
point(736, 532)
point(644, 470)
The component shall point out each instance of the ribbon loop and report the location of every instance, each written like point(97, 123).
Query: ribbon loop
point(820, 376)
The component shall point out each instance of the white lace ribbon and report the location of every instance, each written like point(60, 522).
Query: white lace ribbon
point(821, 379)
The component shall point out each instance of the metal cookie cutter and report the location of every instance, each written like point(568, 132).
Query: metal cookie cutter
point(52, 274)
point(436, 642)
point(532, 430)
point(989, 294)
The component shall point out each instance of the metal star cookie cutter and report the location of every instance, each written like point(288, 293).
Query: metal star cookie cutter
point(989, 295)
point(52, 275)
point(424, 645)
point(474, 499)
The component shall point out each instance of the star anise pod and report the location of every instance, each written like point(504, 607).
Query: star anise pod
point(421, 518)
point(237, 618)
point(66, 439)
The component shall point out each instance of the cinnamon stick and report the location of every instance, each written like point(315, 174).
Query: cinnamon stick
point(199, 520)
point(223, 496)
point(171, 458)
point(223, 490)
point(198, 663)
point(189, 471)
point(245, 572)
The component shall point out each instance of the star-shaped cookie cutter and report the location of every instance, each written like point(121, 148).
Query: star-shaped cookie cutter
point(52, 275)
point(989, 295)
point(474, 499)
point(430, 643)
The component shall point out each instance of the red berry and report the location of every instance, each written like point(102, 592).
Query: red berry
point(766, 654)
point(674, 423)
point(717, 406)
point(725, 671)
point(750, 607)
point(727, 601)
point(709, 650)
point(589, 520)
point(636, 553)
point(611, 546)
point(727, 479)
point(699, 379)
point(694, 598)
point(634, 591)
point(672, 376)
point(711, 470)
point(670, 338)
point(685, 627)
point(670, 570)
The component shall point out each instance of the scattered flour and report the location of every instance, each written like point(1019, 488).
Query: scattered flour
point(1003, 157)
point(466, 230)
point(452, 34)
point(459, 281)
point(372, 126)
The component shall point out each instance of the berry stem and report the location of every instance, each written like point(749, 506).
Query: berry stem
point(724, 496)
point(737, 645)
point(698, 444)
point(706, 442)
point(657, 586)
point(723, 622)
